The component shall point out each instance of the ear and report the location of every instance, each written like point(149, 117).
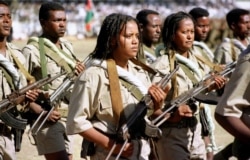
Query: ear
point(141, 27)
point(232, 26)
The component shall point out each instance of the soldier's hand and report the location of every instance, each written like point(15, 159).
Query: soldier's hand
point(158, 95)
point(182, 111)
point(32, 95)
point(54, 116)
point(127, 152)
point(79, 68)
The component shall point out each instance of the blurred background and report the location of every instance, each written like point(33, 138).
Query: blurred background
point(85, 16)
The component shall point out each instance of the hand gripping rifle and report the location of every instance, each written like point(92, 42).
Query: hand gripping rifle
point(56, 97)
point(152, 129)
point(17, 97)
point(130, 130)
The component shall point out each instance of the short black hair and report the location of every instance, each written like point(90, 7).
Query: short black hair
point(233, 16)
point(142, 15)
point(6, 3)
point(198, 12)
point(49, 6)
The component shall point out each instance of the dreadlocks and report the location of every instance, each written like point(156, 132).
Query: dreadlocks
point(109, 34)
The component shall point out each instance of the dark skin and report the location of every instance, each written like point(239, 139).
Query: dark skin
point(234, 126)
point(53, 29)
point(5, 29)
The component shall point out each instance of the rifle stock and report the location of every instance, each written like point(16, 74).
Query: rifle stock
point(183, 98)
point(134, 126)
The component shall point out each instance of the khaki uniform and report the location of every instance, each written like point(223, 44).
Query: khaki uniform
point(52, 136)
point(235, 101)
point(7, 148)
point(225, 52)
point(90, 106)
point(149, 54)
point(179, 141)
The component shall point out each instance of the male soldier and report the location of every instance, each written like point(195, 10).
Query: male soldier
point(51, 54)
point(12, 77)
point(238, 21)
point(150, 24)
point(204, 54)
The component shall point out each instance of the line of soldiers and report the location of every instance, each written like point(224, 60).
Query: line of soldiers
point(125, 66)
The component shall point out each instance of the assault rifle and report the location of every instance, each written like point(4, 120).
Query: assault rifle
point(133, 127)
point(55, 98)
point(152, 127)
point(8, 112)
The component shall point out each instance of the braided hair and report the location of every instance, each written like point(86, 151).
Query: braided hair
point(170, 26)
point(111, 29)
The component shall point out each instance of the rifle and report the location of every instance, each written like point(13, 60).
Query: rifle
point(130, 129)
point(152, 129)
point(56, 97)
point(8, 112)
point(18, 96)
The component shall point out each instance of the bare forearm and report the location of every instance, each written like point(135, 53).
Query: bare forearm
point(95, 136)
point(234, 126)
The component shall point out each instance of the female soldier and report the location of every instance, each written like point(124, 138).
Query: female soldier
point(181, 133)
point(92, 113)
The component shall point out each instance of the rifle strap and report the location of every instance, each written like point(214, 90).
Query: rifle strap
point(43, 61)
point(53, 52)
point(210, 64)
point(132, 89)
point(8, 78)
point(115, 91)
point(172, 63)
point(144, 66)
point(233, 50)
point(189, 73)
point(27, 75)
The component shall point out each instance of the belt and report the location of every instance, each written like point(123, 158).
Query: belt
point(184, 123)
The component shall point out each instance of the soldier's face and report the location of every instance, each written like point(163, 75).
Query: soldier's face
point(5, 21)
point(55, 26)
point(184, 36)
point(202, 28)
point(152, 31)
point(128, 42)
point(242, 28)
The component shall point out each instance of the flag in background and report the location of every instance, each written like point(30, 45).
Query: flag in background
point(89, 15)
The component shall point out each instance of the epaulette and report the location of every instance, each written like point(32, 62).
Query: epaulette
point(245, 52)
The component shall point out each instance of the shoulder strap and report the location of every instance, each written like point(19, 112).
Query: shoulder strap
point(132, 89)
point(8, 78)
point(43, 61)
point(189, 73)
point(144, 66)
point(115, 91)
point(27, 75)
point(209, 63)
point(233, 50)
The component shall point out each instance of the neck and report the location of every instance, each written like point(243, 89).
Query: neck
point(149, 44)
point(122, 63)
point(183, 53)
point(242, 39)
point(52, 39)
point(3, 46)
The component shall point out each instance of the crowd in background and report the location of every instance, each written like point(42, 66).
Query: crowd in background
point(26, 23)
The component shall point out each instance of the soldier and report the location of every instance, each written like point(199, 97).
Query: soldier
point(51, 54)
point(12, 77)
point(238, 21)
point(232, 111)
point(205, 55)
point(150, 25)
point(93, 112)
point(181, 132)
